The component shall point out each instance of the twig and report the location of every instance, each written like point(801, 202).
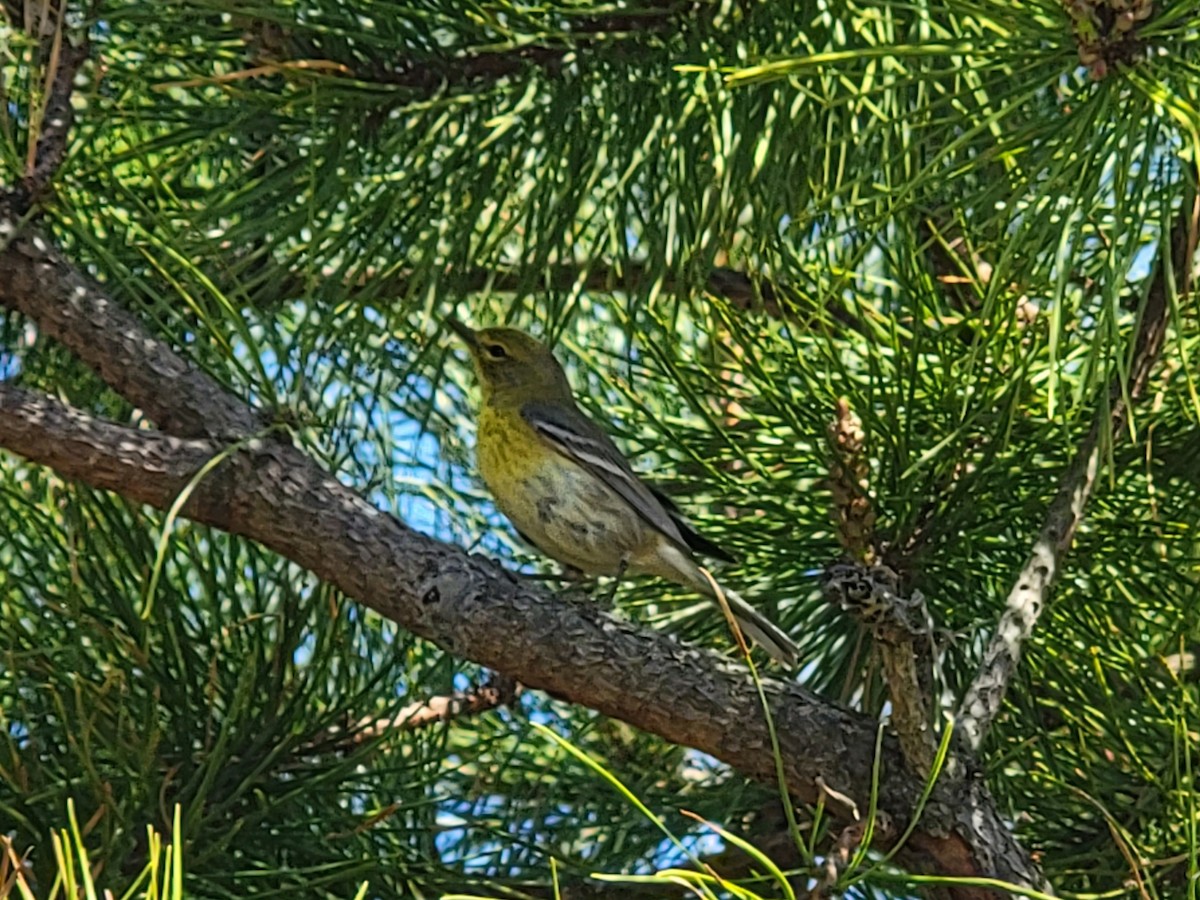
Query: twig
point(461, 68)
point(903, 635)
point(743, 291)
point(498, 690)
point(837, 859)
point(57, 118)
point(964, 273)
point(1029, 593)
point(901, 628)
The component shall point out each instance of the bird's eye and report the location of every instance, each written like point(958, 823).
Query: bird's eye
point(496, 351)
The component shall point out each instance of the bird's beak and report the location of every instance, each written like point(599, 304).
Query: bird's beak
point(467, 334)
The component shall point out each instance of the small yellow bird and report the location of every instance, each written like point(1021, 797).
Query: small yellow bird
point(569, 491)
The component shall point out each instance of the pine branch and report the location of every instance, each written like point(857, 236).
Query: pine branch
point(113, 342)
point(271, 493)
point(51, 128)
point(900, 626)
point(903, 634)
point(57, 118)
point(498, 691)
point(460, 68)
point(1029, 593)
point(739, 289)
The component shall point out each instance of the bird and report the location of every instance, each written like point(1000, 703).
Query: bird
point(569, 491)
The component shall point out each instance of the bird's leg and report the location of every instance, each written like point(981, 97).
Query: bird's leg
point(577, 581)
point(574, 583)
point(612, 591)
point(572, 574)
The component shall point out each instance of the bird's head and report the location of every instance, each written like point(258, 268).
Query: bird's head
point(512, 364)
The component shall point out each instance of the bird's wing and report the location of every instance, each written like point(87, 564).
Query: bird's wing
point(694, 539)
point(578, 439)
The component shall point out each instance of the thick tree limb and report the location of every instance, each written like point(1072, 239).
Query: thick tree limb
point(271, 493)
point(1029, 594)
point(113, 342)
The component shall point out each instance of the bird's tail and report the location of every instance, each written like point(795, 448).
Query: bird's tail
point(673, 562)
point(762, 630)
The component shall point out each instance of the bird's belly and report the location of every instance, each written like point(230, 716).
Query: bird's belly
point(570, 514)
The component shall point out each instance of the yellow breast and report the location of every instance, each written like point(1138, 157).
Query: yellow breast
point(569, 513)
